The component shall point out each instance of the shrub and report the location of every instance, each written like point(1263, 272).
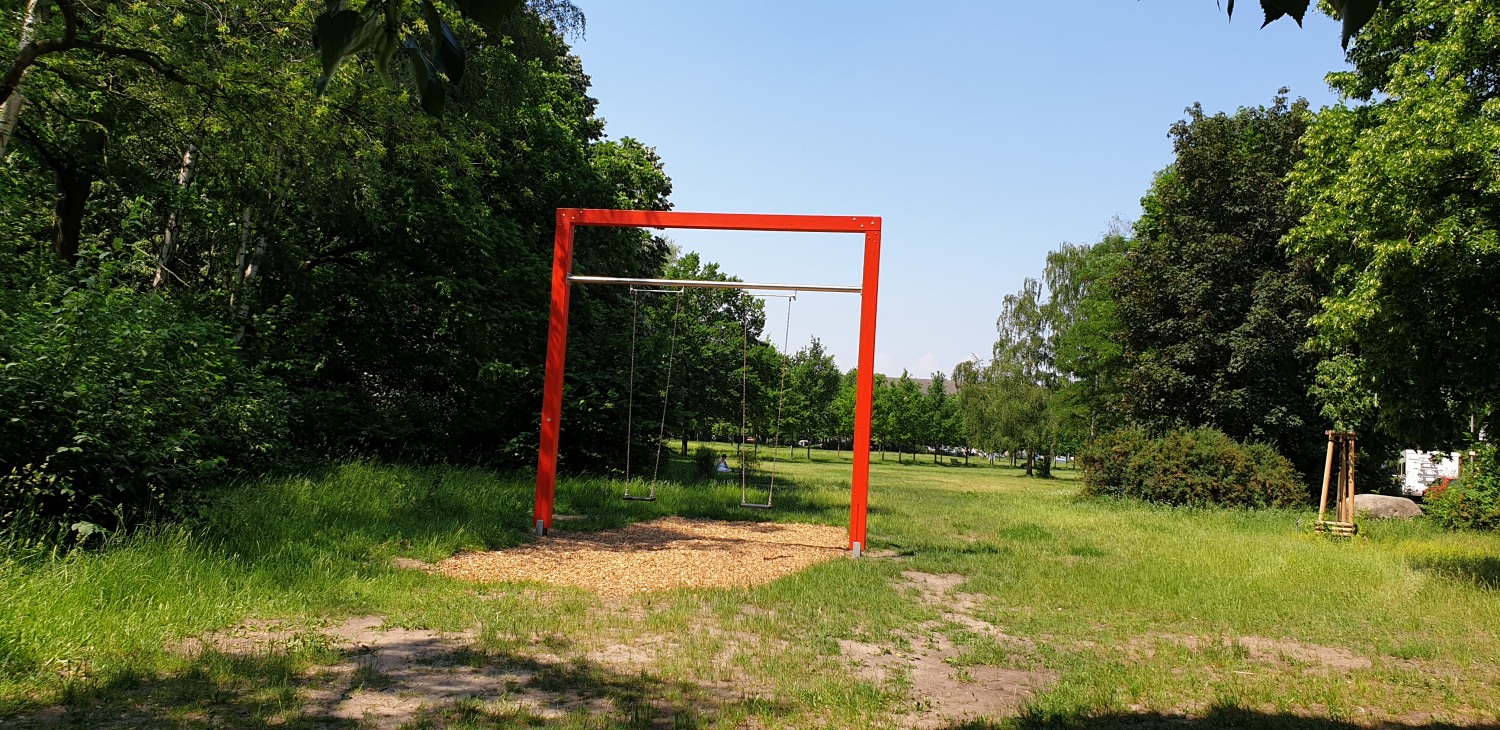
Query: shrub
point(1472, 501)
point(705, 459)
point(116, 403)
point(1198, 467)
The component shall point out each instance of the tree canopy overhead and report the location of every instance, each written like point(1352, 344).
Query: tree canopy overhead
point(1353, 14)
point(1403, 219)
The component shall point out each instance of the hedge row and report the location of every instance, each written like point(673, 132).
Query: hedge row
point(1199, 467)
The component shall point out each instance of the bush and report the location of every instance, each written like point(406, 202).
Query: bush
point(1199, 467)
point(705, 459)
point(117, 403)
point(1472, 501)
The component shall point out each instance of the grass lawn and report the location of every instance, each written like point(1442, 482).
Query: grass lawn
point(1107, 614)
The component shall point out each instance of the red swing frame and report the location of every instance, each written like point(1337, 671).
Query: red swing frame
point(557, 331)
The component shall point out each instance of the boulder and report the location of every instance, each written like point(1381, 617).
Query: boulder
point(1380, 505)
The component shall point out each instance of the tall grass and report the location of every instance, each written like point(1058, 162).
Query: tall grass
point(1101, 591)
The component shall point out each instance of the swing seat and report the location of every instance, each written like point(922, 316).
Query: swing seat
point(633, 498)
point(752, 505)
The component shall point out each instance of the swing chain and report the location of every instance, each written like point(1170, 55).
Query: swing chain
point(630, 408)
point(780, 404)
point(786, 336)
point(635, 305)
point(666, 392)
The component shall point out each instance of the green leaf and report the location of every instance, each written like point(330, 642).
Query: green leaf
point(84, 529)
point(1355, 14)
point(430, 87)
point(489, 13)
point(448, 54)
point(1277, 9)
point(385, 50)
point(341, 33)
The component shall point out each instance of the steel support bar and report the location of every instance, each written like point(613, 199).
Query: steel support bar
point(557, 329)
point(719, 221)
point(864, 395)
point(703, 284)
point(552, 383)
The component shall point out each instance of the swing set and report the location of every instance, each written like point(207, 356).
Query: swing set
point(557, 342)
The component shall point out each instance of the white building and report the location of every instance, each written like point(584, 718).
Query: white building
point(1419, 469)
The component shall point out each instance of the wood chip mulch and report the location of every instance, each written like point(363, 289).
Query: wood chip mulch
point(665, 553)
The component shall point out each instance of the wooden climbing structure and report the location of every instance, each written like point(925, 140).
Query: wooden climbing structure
point(1341, 462)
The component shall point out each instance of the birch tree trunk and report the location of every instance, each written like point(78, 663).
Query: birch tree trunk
point(36, 14)
point(168, 253)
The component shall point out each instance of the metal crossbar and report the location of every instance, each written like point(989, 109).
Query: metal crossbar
point(702, 284)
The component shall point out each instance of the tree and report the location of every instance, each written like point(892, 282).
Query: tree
point(813, 386)
point(843, 406)
point(940, 412)
point(1403, 221)
point(364, 276)
point(1023, 372)
point(1087, 348)
point(1353, 13)
point(909, 422)
point(711, 335)
point(1212, 311)
point(421, 32)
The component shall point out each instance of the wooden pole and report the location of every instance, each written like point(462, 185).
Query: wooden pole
point(1327, 475)
point(1349, 475)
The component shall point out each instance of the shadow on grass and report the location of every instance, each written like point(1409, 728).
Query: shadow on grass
point(1217, 717)
point(468, 687)
point(597, 504)
point(1480, 570)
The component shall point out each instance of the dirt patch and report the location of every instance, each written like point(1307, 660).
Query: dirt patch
point(257, 636)
point(942, 693)
point(1269, 650)
point(393, 673)
point(662, 554)
point(410, 564)
point(1261, 649)
point(956, 607)
point(632, 657)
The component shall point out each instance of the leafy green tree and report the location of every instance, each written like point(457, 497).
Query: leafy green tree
point(1212, 311)
point(1354, 14)
point(908, 423)
point(941, 427)
point(369, 276)
point(422, 34)
point(843, 406)
point(711, 336)
point(1085, 347)
point(1023, 373)
point(812, 388)
point(1403, 221)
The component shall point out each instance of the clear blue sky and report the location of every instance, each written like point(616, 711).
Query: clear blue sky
point(985, 133)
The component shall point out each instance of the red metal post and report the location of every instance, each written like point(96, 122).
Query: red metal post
point(552, 388)
point(722, 221)
point(557, 332)
point(864, 393)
